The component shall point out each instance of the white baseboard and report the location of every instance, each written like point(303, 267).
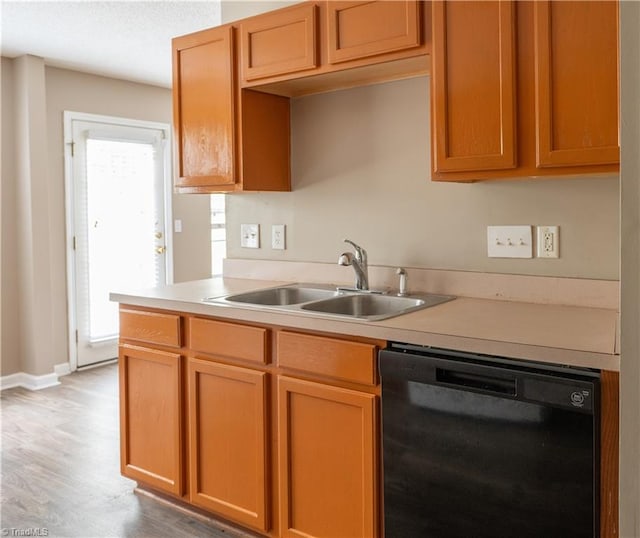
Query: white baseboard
point(62, 369)
point(29, 381)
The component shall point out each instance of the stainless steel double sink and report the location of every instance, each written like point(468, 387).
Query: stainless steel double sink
point(327, 301)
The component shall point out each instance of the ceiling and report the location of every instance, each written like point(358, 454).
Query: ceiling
point(126, 39)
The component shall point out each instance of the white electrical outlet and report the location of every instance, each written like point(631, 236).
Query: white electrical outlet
point(250, 235)
point(278, 237)
point(509, 242)
point(548, 242)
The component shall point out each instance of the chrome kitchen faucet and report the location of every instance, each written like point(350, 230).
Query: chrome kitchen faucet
point(358, 261)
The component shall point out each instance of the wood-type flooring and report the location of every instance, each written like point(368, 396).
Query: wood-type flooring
point(60, 467)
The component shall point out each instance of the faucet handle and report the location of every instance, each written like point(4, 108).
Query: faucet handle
point(361, 254)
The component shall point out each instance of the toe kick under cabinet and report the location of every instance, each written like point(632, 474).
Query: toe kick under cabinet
point(270, 429)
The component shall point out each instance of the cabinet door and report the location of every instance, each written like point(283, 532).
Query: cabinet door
point(473, 85)
point(327, 461)
point(227, 441)
point(279, 43)
point(362, 29)
point(204, 108)
point(576, 52)
point(150, 417)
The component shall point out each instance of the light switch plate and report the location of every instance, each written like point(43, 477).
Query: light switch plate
point(250, 235)
point(509, 242)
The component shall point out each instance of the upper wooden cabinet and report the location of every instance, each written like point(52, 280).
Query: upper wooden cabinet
point(327, 45)
point(204, 108)
point(524, 89)
point(362, 29)
point(227, 139)
point(576, 67)
point(473, 85)
point(279, 43)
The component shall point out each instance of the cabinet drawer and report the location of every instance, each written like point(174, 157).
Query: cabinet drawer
point(363, 29)
point(228, 339)
point(279, 43)
point(340, 359)
point(150, 327)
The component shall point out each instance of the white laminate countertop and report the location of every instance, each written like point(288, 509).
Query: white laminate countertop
point(569, 335)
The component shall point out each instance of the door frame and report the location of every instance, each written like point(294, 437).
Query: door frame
point(69, 199)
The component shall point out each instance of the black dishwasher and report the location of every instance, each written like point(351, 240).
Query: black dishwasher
point(487, 447)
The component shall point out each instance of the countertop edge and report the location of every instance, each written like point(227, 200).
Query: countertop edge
point(378, 330)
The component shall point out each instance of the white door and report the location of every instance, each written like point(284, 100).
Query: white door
point(118, 224)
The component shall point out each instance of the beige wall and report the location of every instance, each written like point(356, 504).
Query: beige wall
point(233, 10)
point(630, 272)
point(81, 92)
point(9, 344)
point(34, 211)
point(360, 169)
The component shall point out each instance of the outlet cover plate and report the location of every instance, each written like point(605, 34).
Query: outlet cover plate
point(250, 235)
point(509, 242)
point(278, 239)
point(548, 242)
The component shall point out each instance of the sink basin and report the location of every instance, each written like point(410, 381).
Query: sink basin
point(373, 307)
point(329, 301)
point(281, 296)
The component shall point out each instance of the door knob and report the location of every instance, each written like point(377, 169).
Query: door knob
point(161, 250)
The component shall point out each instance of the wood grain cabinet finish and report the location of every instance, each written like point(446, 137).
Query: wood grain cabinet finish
point(279, 43)
point(609, 453)
point(354, 43)
point(362, 29)
point(228, 441)
point(224, 339)
point(327, 461)
point(219, 422)
point(226, 139)
point(473, 85)
point(576, 86)
point(329, 357)
point(151, 417)
point(204, 108)
point(524, 89)
point(150, 327)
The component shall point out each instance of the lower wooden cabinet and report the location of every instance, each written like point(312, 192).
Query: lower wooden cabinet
point(227, 441)
point(327, 460)
point(273, 430)
point(151, 417)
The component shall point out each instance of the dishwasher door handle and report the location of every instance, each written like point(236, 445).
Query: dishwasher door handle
point(485, 383)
